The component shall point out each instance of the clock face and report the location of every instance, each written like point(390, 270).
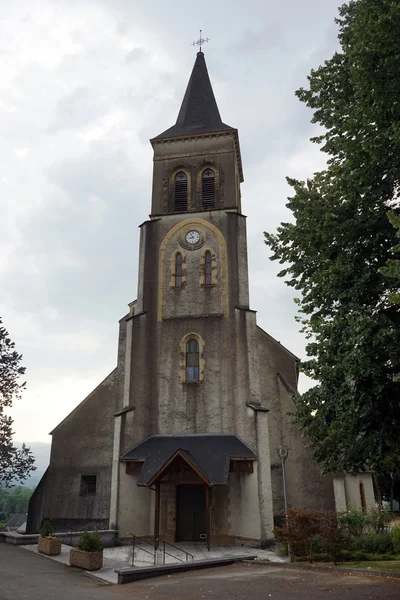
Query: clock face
point(192, 237)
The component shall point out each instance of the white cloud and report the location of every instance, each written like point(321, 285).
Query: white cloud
point(84, 86)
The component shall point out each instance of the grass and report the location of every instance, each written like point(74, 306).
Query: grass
point(373, 565)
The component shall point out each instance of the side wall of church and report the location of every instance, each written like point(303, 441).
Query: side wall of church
point(244, 506)
point(82, 445)
point(354, 493)
point(306, 487)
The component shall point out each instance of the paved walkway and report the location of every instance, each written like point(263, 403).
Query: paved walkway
point(121, 556)
point(26, 576)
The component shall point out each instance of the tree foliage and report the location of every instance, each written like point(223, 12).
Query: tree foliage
point(341, 238)
point(15, 500)
point(392, 267)
point(15, 463)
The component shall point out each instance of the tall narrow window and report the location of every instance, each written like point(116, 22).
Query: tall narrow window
point(362, 497)
point(192, 361)
point(180, 192)
point(208, 189)
point(178, 270)
point(207, 268)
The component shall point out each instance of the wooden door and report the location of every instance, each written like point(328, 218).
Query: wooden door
point(191, 513)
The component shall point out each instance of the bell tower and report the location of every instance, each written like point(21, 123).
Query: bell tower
point(196, 219)
point(197, 162)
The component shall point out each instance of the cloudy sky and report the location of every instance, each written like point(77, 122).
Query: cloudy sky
point(84, 84)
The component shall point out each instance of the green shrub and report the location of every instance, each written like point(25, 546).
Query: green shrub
point(311, 532)
point(359, 555)
point(90, 541)
point(378, 543)
point(333, 536)
point(395, 537)
point(47, 529)
point(299, 532)
point(355, 521)
point(321, 557)
point(379, 519)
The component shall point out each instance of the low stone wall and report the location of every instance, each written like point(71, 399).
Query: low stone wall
point(108, 538)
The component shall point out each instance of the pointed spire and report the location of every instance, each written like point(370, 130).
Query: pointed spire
point(199, 111)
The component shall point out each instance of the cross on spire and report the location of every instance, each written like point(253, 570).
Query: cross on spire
point(200, 41)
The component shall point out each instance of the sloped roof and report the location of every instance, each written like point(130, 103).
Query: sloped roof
point(199, 111)
point(15, 521)
point(211, 453)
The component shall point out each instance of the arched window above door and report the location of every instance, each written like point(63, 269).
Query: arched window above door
point(192, 361)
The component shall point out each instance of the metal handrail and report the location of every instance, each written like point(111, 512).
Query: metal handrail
point(136, 537)
point(155, 548)
point(187, 554)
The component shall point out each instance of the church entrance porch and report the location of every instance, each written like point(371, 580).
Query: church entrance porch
point(191, 513)
point(190, 477)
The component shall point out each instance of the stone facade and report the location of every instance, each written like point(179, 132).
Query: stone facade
point(246, 378)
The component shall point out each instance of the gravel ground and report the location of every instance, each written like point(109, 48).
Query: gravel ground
point(26, 576)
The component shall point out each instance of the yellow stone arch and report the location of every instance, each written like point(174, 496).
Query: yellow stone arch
point(193, 221)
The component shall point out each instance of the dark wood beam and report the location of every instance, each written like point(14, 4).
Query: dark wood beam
point(208, 516)
point(157, 515)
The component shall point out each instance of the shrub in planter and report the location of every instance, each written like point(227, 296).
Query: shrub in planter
point(47, 542)
point(89, 553)
point(374, 543)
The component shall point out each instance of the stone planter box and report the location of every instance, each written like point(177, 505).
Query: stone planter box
point(90, 561)
point(49, 546)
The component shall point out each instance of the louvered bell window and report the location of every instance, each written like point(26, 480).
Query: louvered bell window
point(208, 268)
point(180, 192)
point(192, 361)
point(208, 189)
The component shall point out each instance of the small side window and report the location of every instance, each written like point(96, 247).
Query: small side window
point(362, 497)
point(208, 268)
point(88, 485)
point(178, 270)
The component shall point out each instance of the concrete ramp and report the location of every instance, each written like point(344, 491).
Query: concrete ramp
point(125, 575)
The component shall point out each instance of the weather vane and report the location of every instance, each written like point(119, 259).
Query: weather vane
point(200, 41)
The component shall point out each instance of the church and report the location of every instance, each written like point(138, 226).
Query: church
point(183, 440)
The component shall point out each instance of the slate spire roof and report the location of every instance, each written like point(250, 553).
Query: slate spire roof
point(199, 111)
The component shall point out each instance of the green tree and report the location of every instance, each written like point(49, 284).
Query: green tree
point(14, 500)
point(392, 267)
point(15, 463)
point(340, 238)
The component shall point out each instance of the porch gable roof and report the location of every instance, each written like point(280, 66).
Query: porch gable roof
point(210, 453)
